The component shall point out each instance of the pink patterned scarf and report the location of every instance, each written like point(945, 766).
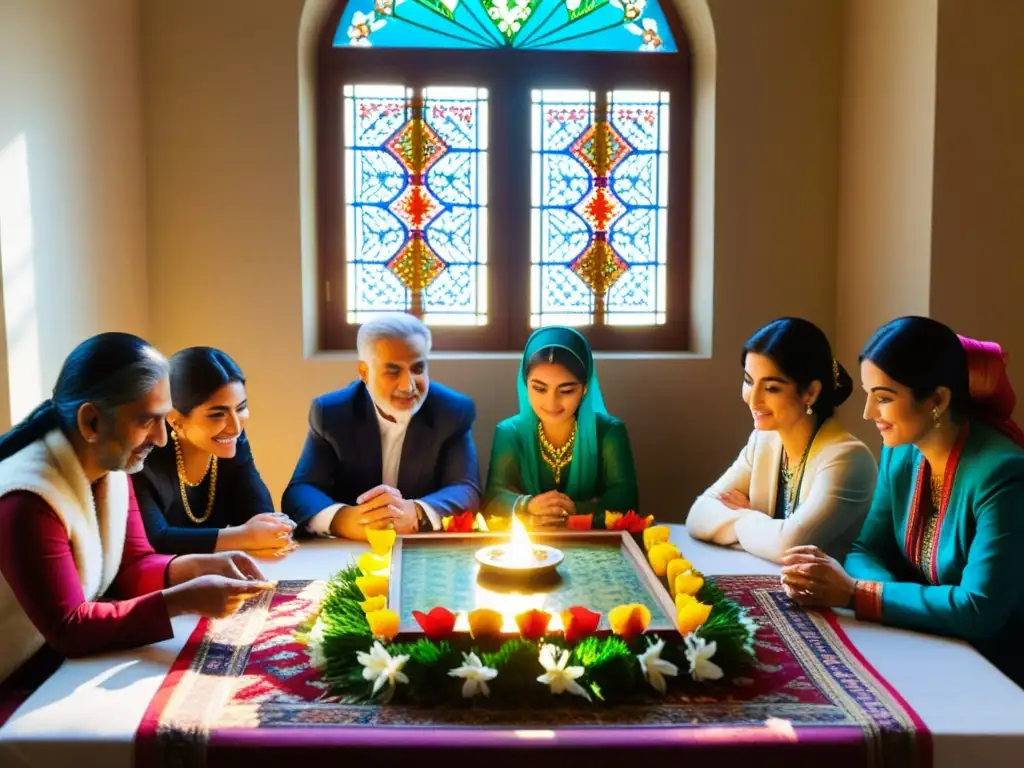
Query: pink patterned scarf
point(991, 390)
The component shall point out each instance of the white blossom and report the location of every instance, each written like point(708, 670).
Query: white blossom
point(382, 668)
point(315, 645)
point(655, 668)
point(650, 40)
point(510, 14)
point(475, 674)
point(631, 9)
point(386, 7)
point(557, 676)
point(699, 652)
point(362, 25)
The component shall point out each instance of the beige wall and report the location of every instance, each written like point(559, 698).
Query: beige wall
point(861, 149)
point(932, 170)
point(977, 275)
point(885, 196)
point(71, 184)
point(222, 138)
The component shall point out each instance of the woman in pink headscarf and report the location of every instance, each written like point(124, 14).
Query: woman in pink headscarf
point(941, 548)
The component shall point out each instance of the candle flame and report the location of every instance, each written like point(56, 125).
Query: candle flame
point(518, 553)
point(521, 550)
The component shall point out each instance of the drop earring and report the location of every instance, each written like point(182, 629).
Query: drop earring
point(810, 410)
point(936, 417)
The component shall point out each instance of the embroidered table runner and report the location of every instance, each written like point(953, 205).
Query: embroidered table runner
point(243, 691)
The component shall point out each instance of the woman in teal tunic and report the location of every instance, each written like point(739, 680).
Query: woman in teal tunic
point(941, 546)
point(562, 455)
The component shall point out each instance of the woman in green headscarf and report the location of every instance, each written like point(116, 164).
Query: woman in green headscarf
point(562, 454)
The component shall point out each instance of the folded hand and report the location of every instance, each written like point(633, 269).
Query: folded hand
point(379, 512)
point(550, 510)
point(810, 577)
point(735, 500)
point(402, 517)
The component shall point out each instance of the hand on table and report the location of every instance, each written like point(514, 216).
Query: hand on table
point(406, 519)
point(810, 577)
point(267, 536)
point(379, 507)
point(549, 510)
point(276, 553)
point(231, 565)
point(267, 533)
point(213, 596)
point(734, 500)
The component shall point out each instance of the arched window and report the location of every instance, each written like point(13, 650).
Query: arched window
point(496, 165)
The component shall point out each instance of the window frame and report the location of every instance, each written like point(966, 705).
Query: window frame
point(509, 75)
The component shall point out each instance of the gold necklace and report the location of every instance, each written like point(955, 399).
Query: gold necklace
point(211, 467)
point(556, 458)
point(936, 489)
point(789, 474)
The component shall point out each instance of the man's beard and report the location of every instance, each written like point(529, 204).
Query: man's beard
point(128, 463)
point(136, 464)
point(399, 416)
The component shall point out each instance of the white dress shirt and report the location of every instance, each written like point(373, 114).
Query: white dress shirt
point(392, 438)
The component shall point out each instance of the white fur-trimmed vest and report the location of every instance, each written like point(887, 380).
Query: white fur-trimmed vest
point(94, 518)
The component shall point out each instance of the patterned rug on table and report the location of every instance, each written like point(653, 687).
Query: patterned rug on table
point(246, 681)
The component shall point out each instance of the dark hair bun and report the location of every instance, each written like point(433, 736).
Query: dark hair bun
point(843, 386)
point(801, 351)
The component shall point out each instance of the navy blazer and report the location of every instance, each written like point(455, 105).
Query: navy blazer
point(342, 455)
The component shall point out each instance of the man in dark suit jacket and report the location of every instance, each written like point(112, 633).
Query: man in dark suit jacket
point(389, 449)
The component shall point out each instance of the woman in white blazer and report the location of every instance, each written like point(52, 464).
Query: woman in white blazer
point(802, 478)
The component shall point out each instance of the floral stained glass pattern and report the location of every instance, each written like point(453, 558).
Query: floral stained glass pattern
point(599, 188)
point(416, 203)
point(571, 25)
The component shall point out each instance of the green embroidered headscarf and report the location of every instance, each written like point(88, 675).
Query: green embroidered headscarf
point(582, 478)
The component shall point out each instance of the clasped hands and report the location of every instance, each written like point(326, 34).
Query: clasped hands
point(811, 577)
point(380, 507)
point(549, 510)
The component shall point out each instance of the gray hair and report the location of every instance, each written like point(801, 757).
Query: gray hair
point(398, 326)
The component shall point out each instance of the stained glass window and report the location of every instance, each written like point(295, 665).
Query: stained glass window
point(599, 189)
point(571, 25)
point(416, 202)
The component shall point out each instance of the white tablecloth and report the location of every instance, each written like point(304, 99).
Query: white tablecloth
point(88, 712)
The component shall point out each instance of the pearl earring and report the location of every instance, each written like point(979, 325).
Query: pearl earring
point(810, 410)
